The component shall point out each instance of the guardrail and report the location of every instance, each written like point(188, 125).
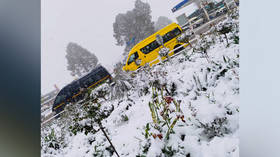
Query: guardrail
point(51, 118)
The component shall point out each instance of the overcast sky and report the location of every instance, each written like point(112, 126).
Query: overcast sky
point(88, 23)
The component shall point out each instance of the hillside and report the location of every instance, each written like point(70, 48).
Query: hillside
point(185, 106)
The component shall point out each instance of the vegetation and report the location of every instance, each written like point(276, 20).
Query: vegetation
point(134, 25)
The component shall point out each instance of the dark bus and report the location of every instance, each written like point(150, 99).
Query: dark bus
point(73, 93)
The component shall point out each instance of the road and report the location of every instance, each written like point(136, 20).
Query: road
point(205, 27)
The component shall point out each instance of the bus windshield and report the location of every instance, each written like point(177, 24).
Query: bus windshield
point(59, 99)
point(132, 58)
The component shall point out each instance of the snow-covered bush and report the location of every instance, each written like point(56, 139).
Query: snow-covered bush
point(224, 28)
point(101, 93)
point(163, 52)
point(91, 120)
point(51, 140)
point(121, 83)
point(203, 45)
point(185, 37)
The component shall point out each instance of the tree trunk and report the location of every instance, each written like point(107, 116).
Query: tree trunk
point(102, 129)
point(206, 56)
point(226, 39)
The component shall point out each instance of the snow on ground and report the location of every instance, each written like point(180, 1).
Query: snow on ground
point(209, 100)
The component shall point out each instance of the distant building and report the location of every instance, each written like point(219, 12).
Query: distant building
point(231, 3)
point(190, 14)
point(183, 9)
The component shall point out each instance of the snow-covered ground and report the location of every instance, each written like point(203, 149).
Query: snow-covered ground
point(206, 121)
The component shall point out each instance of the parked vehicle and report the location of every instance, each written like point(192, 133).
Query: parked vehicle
point(76, 90)
point(147, 51)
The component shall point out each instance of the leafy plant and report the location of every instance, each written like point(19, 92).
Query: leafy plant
point(217, 128)
point(93, 114)
point(124, 118)
point(52, 140)
point(169, 115)
point(203, 45)
point(168, 151)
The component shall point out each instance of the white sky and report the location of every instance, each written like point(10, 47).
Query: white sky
point(88, 23)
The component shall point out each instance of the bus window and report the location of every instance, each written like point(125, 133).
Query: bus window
point(98, 77)
point(102, 74)
point(88, 81)
point(150, 47)
point(97, 70)
point(132, 58)
point(172, 34)
point(154, 45)
point(75, 88)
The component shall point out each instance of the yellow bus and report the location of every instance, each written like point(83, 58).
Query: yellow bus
point(147, 51)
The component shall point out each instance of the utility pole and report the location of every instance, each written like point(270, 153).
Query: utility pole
point(226, 5)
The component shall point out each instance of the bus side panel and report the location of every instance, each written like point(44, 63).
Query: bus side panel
point(147, 58)
point(132, 66)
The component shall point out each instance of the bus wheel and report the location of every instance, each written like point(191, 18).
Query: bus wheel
point(178, 50)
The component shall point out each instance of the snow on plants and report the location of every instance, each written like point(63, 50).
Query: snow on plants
point(187, 105)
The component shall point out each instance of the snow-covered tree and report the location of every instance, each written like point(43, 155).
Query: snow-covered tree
point(134, 25)
point(79, 59)
point(122, 82)
point(161, 22)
